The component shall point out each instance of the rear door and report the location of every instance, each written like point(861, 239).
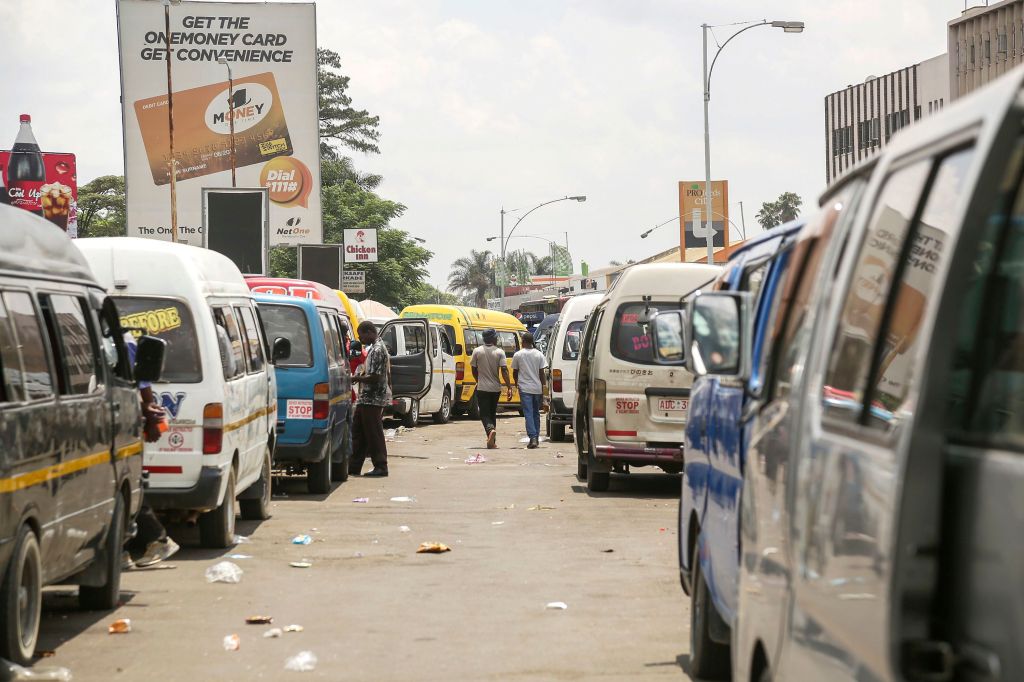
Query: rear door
point(412, 366)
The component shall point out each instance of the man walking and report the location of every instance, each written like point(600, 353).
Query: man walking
point(488, 363)
point(528, 372)
point(374, 394)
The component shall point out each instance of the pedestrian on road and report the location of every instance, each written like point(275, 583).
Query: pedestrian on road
point(489, 367)
point(528, 373)
point(374, 394)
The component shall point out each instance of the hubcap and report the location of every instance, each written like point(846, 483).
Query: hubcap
point(27, 591)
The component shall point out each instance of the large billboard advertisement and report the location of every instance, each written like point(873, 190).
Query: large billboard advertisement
point(54, 196)
point(692, 216)
point(271, 100)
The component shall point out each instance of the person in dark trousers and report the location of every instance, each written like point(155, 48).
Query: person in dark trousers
point(374, 395)
point(489, 367)
point(528, 372)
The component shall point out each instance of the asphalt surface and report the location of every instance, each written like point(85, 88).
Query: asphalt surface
point(523, 532)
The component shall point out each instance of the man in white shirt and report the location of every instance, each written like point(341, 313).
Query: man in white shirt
point(528, 373)
point(489, 368)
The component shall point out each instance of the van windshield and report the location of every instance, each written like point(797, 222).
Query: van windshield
point(171, 321)
point(288, 322)
point(629, 342)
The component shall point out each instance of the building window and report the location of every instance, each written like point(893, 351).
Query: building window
point(972, 54)
point(1001, 44)
point(917, 112)
point(987, 53)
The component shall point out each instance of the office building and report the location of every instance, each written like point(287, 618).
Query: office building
point(984, 43)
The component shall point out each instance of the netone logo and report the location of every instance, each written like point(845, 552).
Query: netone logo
point(251, 102)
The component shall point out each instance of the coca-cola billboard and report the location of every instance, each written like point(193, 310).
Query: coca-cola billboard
point(44, 183)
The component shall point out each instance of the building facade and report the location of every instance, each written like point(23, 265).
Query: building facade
point(861, 119)
point(984, 43)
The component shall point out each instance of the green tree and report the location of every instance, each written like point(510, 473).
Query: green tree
point(340, 123)
point(782, 210)
point(101, 207)
point(428, 293)
point(472, 275)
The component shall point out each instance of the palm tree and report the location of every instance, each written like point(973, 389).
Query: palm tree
point(472, 275)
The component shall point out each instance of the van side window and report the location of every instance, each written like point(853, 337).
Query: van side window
point(860, 319)
point(573, 337)
point(38, 378)
point(508, 342)
point(435, 342)
point(253, 344)
point(74, 351)
point(415, 339)
point(234, 363)
point(10, 360)
point(446, 345)
point(331, 339)
point(474, 338)
point(341, 326)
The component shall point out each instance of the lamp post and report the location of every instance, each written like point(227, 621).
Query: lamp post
point(231, 114)
point(787, 27)
point(743, 231)
point(551, 248)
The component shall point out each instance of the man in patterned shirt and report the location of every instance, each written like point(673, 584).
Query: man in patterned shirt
point(374, 395)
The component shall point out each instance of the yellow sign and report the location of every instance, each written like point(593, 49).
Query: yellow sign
point(153, 321)
point(693, 218)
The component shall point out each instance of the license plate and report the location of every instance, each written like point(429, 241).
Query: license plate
point(673, 404)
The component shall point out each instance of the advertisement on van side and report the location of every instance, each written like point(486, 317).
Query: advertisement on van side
point(264, 97)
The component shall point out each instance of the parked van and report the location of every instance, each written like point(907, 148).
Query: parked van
point(542, 332)
point(422, 370)
point(218, 387)
point(464, 327)
point(716, 443)
point(314, 387)
point(880, 515)
point(563, 354)
point(70, 441)
point(629, 410)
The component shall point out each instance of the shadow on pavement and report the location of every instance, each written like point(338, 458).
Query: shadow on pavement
point(640, 486)
point(63, 620)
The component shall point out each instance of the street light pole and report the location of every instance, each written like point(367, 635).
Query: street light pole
point(231, 114)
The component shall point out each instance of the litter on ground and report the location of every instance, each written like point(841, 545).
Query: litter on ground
point(224, 572)
point(120, 626)
point(232, 643)
point(301, 540)
point(433, 548)
point(272, 633)
point(302, 662)
point(476, 459)
point(259, 620)
point(557, 606)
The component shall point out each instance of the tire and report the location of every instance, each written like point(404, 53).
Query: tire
point(473, 410)
point(411, 418)
point(217, 527)
point(444, 415)
point(258, 509)
point(21, 595)
point(709, 660)
point(556, 432)
point(766, 675)
point(318, 475)
point(581, 469)
point(597, 481)
point(339, 470)
point(105, 597)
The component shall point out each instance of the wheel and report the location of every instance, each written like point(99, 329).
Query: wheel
point(597, 481)
point(556, 432)
point(411, 418)
point(21, 595)
point(443, 415)
point(339, 470)
point(318, 475)
point(766, 675)
point(709, 660)
point(258, 508)
point(473, 410)
point(581, 469)
point(217, 527)
point(105, 597)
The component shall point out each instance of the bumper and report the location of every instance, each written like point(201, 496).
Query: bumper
point(313, 450)
point(399, 406)
point(560, 414)
point(639, 454)
point(205, 494)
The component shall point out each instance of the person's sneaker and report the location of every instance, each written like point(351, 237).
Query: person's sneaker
point(492, 439)
point(532, 444)
point(157, 551)
point(127, 563)
point(376, 473)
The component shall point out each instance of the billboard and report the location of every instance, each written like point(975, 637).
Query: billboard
point(361, 245)
point(353, 282)
point(270, 101)
point(58, 191)
point(235, 224)
point(321, 264)
point(692, 216)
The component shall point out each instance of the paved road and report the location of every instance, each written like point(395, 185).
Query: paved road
point(373, 609)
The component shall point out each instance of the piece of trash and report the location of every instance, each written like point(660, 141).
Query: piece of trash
point(301, 540)
point(239, 556)
point(607, 551)
point(389, 434)
point(241, 539)
point(358, 555)
point(559, 455)
point(440, 467)
point(231, 643)
point(300, 564)
point(293, 628)
point(361, 500)
point(302, 662)
point(120, 626)
point(497, 523)
point(403, 498)
point(259, 620)
point(16, 673)
point(539, 507)
point(662, 530)
point(476, 459)
point(433, 548)
point(224, 572)
point(404, 529)
point(45, 653)
point(557, 606)
point(273, 633)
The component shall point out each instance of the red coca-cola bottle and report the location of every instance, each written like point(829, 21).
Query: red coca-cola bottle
point(25, 171)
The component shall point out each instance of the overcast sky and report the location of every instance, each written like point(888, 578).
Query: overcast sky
point(485, 104)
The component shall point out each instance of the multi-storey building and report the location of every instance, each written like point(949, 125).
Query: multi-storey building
point(984, 43)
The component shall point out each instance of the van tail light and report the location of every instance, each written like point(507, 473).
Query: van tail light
point(213, 428)
point(321, 401)
point(598, 398)
point(460, 371)
point(556, 380)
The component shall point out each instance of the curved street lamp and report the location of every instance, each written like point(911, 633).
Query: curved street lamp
point(645, 235)
point(787, 27)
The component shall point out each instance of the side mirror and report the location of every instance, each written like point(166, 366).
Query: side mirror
point(668, 330)
point(718, 340)
point(282, 349)
point(458, 349)
point(149, 358)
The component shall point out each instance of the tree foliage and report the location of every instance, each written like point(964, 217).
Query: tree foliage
point(782, 210)
point(473, 275)
point(340, 123)
point(101, 207)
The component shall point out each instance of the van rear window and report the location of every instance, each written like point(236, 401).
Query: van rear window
point(629, 342)
point(171, 321)
point(289, 322)
point(573, 339)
